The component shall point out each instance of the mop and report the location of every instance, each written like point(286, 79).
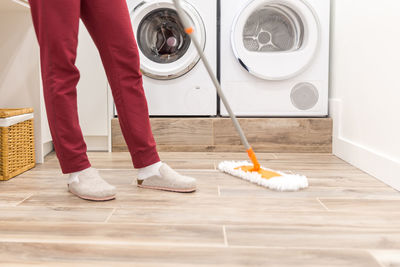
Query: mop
point(250, 171)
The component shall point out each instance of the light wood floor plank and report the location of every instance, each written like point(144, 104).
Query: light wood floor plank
point(224, 216)
point(106, 255)
point(363, 205)
point(315, 192)
point(54, 214)
point(10, 199)
point(333, 237)
point(195, 235)
point(201, 203)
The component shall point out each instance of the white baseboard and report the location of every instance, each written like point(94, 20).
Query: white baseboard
point(93, 143)
point(383, 167)
point(42, 150)
point(96, 143)
point(47, 148)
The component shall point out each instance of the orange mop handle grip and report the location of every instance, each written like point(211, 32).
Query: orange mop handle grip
point(253, 159)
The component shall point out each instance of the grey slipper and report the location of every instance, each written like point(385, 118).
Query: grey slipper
point(92, 187)
point(169, 180)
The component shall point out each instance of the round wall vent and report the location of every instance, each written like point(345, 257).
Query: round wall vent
point(304, 96)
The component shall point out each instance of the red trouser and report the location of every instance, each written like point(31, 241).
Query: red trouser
point(56, 24)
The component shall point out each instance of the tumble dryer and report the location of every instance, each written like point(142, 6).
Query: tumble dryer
point(174, 78)
point(275, 57)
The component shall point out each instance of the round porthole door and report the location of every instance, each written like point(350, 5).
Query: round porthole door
point(166, 51)
point(275, 39)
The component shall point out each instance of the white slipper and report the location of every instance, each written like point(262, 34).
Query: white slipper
point(91, 186)
point(169, 180)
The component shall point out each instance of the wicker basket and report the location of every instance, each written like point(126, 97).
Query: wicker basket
point(17, 147)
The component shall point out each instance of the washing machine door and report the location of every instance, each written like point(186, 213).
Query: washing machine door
point(166, 51)
point(275, 39)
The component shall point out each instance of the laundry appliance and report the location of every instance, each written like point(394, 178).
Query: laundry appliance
point(174, 78)
point(275, 57)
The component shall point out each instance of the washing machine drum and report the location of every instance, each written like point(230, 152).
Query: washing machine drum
point(166, 51)
point(275, 39)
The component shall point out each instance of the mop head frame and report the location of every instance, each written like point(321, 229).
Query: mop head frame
point(285, 182)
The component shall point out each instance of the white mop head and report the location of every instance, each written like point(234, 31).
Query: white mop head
point(286, 182)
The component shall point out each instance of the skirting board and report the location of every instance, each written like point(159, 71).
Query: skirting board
point(372, 162)
point(96, 143)
point(292, 135)
point(47, 148)
point(93, 143)
point(42, 149)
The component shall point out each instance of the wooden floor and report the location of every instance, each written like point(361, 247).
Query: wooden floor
point(345, 218)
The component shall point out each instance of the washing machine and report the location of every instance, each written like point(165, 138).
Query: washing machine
point(174, 79)
point(275, 57)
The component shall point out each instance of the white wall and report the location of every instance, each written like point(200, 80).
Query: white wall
point(19, 69)
point(365, 85)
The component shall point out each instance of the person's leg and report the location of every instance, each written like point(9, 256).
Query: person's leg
point(56, 24)
point(108, 22)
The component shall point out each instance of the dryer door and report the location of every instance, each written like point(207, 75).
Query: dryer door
point(275, 39)
point(166, 51)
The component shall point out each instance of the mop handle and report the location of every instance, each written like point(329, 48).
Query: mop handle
point(189, 30)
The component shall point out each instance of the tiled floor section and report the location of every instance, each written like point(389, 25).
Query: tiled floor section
point(345, 217)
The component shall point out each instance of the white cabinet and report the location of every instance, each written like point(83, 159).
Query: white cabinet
point(93, 95)
point(20, 84)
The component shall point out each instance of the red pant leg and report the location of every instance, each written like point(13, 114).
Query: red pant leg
point(108, 22)
point(56, 24)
